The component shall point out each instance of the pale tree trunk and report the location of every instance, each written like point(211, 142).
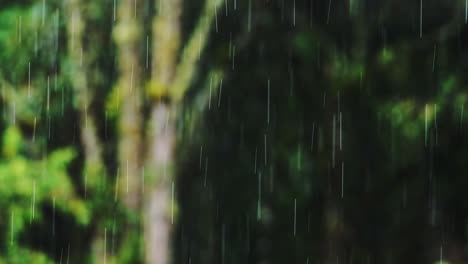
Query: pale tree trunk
point(159, 208)
point(127, 36)
point(94, 168)
point(83, 96)
point(170, 80)
point(161, 138)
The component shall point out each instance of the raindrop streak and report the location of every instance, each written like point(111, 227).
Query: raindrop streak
point(14, 113)
point(127, 176)
point(209, 97)
point(36, 44)
point(199, 46)
point(81, 57)
point(12, 226)
point(131, 79)
point(434, 57)
point(172, 202)
point(268, 103)
point(68, 254)
point(223, 239)
point(105, 244)
point(116, 185)
point(333, 141)
point(112, 238)
point(226, 7)
point(435, 125)
point(425, 126)
point(19, 30)
point(34, 130)
point(206, 171)
point(328, 14)
point(230, 46)
point(294, 13)
point(466, 11)
point(216, 19)
point(341, 134)
point(48, 127)
point(342, 179)
point(233, 55)
point(147, 50)
point(420, 19)
point(114, 11)
point(143, 180)
point(249, 17)
point(43, 11)
point(201, 155)
point(265, 141)
point(461, 115)
point(29, 79)
point(259, 201)
point(48, 94)
point(441, 255)
point(33, 202)
point(220, 92)
point(295, 210)
point(53, 216)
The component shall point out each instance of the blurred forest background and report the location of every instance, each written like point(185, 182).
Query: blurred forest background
point(233, 131)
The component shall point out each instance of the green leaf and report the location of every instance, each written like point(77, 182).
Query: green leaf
point(12, 142)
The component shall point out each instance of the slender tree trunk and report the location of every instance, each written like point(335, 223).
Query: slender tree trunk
point(170, 80)
point(161, 139)
point(83, 96)
point(93, 165)
point(159, 208)
point(127, 35)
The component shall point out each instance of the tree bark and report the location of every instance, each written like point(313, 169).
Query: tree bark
point(94, 168)
point(170, 80)
point(161, 138)
point(159, 208)
point(127, 36)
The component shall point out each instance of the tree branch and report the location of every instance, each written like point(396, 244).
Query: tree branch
point(191, 53)
point(94, 166)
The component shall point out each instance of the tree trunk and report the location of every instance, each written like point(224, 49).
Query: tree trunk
point(94, 168)
point(127, 37)
point(161, 138)
point(159, 207)
point(170, 80)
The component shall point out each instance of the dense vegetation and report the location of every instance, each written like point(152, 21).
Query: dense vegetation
point(233, 131)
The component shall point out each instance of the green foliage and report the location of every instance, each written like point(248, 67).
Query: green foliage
point(386, 56)
point(29, 184)
point(344, 71)
point(18, 255)
point(304, 43)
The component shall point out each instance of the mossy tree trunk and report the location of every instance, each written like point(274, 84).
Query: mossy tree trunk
point(83, 95)
point(169, 83)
